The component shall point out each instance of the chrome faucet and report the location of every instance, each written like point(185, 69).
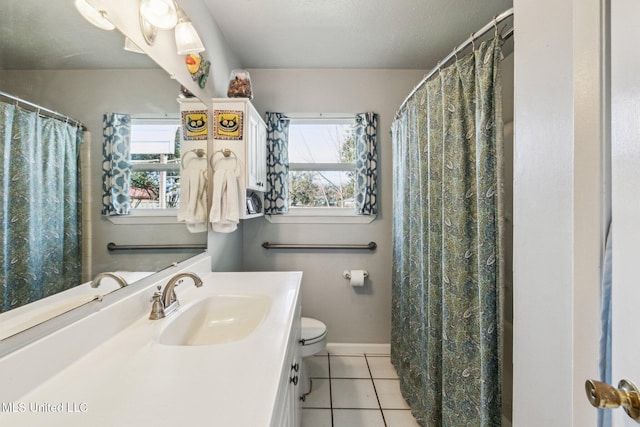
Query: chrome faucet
point(96, 280)
point(167, 302)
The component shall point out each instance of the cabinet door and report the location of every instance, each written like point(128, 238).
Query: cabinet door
point(256, 153)
point(261, 152)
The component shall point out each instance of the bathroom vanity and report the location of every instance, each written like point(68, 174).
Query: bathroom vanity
point(228, 356)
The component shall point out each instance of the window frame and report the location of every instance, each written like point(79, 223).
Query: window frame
point(150, 216)
point(321, 215)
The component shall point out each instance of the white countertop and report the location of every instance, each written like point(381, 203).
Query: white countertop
point(26, 316)
point(132, 380)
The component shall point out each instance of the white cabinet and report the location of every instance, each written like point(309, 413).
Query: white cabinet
point(238, 127)
point(287, 412)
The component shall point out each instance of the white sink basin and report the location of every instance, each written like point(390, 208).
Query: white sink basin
point(216, 319)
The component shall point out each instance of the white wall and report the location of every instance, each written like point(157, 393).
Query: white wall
point(557, 206)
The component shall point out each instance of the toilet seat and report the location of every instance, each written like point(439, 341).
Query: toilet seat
point(313, 336)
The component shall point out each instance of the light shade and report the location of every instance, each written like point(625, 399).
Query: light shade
point(159, 13)
point(91, 14)
point(187, 39)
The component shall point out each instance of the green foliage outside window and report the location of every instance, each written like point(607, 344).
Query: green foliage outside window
point(145, 185)
point(308, 188)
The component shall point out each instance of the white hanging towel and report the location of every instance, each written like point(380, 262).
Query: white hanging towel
point(225, 213)
point(193, 196)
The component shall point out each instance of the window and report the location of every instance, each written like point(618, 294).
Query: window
point(155, 167)
point(321, 164)
point(322, 157)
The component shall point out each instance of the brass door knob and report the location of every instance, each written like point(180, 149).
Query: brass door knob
point(605, 396)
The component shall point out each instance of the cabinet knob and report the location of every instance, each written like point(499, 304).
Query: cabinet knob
point(294, 380)
point(296, 367)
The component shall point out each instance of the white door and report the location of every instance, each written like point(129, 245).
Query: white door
point(625, 164)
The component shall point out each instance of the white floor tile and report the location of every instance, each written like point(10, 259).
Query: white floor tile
point(317, 366)
point(381, 367)
point(403, 418)
point(316, 418)
point(357, 418)
point(389, 394)
point(353, 393)
point(349, 367)
point(320, 396)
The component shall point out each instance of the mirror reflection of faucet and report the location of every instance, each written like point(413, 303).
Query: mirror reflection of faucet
point(165, 303)
point(119, 279)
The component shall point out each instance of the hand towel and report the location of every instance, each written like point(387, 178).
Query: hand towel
point(225, 213)
point(192, 209)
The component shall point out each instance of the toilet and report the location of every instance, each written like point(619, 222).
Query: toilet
point(313, 339)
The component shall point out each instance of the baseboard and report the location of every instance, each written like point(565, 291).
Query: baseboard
point(357, 348)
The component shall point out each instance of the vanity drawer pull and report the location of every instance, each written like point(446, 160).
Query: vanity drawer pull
point(294, 380)
point(296, 367)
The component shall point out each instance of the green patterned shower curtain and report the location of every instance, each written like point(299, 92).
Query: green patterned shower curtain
point(40, 206)
point(446, 339)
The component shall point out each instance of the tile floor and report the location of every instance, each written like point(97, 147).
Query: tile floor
point(354, 391)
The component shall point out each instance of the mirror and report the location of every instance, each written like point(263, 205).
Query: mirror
point(52, 57)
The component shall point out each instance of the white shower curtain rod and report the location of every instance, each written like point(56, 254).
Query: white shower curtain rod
point(472, 38)
point(43, 111)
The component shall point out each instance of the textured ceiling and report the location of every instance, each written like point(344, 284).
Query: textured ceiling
point(396, 34)
point(403, 34)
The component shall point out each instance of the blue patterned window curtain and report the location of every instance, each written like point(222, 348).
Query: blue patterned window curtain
point(276, 196)
point(40, 207)
point(116, 164)
point(446, 339)
point(365, 131)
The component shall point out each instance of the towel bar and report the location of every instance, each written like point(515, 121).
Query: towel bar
point(113, 247)
point(369, 246)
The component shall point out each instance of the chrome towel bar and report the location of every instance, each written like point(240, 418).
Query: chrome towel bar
point(113, 247)
point(370, 246)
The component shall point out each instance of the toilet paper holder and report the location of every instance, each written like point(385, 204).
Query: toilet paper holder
point(347, 274)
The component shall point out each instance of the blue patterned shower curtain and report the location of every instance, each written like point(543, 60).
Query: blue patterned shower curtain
point(40, 207)
point(446, 341)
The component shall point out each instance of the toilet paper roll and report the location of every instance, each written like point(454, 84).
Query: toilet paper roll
point(357, 277)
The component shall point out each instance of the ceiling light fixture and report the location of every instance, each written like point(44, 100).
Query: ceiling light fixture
point(160, 13)
point(93, 15)
point(187, 39)
point(149, 32)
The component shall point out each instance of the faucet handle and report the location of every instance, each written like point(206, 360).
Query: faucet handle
point(156, 294)
point(157, 307)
